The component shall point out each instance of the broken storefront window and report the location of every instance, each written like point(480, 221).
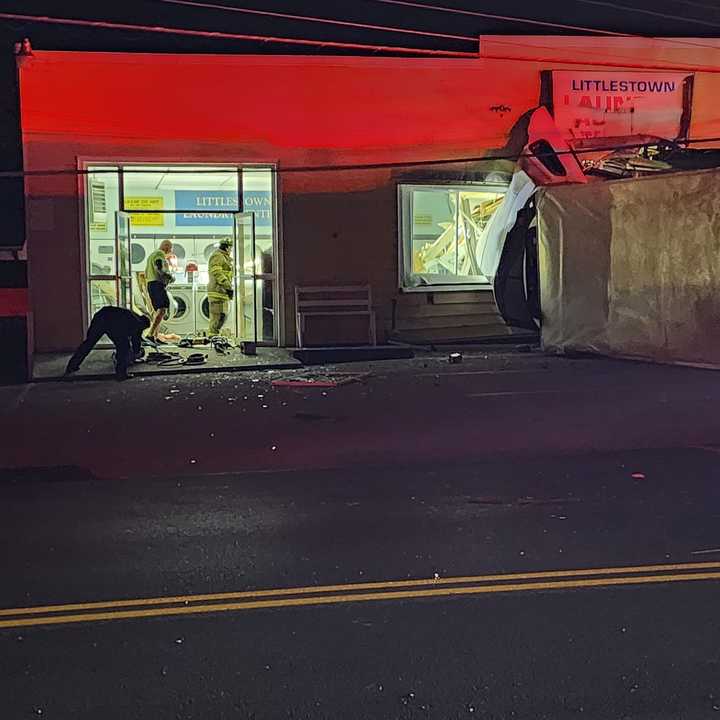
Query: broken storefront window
point(441, 230)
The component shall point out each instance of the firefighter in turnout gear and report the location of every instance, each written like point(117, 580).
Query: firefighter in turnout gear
point(220, 286)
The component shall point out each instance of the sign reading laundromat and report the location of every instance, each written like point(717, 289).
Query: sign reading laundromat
point(611, 104)
point(213, 208)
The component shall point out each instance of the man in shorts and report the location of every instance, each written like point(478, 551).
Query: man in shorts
point(158, 277)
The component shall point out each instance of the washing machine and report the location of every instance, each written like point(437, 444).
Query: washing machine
point(182, 316)
point(139, 251)
point(203, 312)
point(142, 247)
point(181, 251)
point(102, 257)
point(205, 248)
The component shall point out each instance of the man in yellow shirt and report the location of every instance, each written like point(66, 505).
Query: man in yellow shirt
point(220, 286)
point(158, 277)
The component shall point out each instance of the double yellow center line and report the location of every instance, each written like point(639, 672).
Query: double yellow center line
point(358, 592)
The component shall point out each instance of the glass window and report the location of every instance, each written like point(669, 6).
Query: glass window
point(194, 207)
point(257, 184)
point(442, 232)
point(102, 293)
point(102, 202)
point(207, 195)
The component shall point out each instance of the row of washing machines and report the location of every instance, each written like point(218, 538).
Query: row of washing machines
point(190, 310)
point(102, 252)
point(184, 249)
point(189, 305)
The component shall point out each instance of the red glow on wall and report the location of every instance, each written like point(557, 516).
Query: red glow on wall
point(295, 110)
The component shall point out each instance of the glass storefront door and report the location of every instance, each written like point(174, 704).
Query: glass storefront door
point(191, 261)
point(246, 280)
point(101, 204)
point(123, 274)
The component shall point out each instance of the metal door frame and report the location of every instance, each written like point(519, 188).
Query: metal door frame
point(242, 277)
point(119, 277)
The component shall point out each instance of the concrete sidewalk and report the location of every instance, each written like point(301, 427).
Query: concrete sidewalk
point(99, 364)
point(414, 411)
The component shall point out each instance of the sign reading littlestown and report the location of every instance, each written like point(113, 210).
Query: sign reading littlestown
point(215, 207)
point(591, 104)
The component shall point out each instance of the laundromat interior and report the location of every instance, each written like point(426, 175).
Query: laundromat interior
point(131, 209)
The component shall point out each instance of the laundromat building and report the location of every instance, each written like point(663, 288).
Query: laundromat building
point(326, 171)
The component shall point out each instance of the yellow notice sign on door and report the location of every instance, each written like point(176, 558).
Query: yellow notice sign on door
point(147, 219)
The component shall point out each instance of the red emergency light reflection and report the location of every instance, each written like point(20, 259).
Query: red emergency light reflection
point(295, 111)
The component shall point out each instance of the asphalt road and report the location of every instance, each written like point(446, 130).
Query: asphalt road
point(430, 577)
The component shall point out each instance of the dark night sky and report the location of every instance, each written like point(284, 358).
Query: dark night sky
point(695, 18)
point(692, 18)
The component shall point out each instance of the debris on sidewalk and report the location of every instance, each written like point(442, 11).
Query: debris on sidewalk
point(638, 476)
point(455, 358)
point(321, 380)
point(523, 501)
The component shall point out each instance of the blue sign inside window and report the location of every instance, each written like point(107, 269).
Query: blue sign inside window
point(260, 203)
point(214, 208)
point(205, 207)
